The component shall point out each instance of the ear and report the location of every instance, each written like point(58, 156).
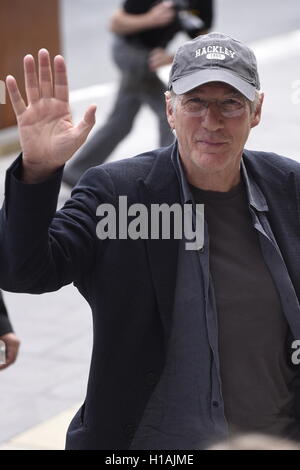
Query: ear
point(169, 110)
point(255, 120)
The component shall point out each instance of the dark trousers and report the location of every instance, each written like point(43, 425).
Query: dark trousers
point(138, 85)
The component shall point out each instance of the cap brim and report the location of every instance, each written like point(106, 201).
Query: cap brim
point(189, 82)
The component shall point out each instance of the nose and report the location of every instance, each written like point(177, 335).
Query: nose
point(212, 120)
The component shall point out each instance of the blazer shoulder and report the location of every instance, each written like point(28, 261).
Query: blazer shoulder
point(137, 166)
point(266, 162)
point(125, 174)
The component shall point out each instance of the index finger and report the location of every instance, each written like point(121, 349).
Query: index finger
point(61, 88)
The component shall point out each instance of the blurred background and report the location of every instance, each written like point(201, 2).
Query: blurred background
point(38, 394)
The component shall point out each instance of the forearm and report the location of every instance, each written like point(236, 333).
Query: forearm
point(42, 249)
point(25, 219)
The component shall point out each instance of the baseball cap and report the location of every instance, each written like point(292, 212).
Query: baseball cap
point(214, 57)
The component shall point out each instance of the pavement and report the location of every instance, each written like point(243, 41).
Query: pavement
point(41, 392)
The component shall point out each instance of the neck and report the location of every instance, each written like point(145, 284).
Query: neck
point(221, 181)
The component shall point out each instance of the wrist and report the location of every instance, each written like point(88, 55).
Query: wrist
point(36, 173)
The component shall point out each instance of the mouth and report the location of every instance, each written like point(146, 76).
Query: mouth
point(211, 143)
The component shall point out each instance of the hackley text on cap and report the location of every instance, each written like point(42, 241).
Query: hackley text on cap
point(214, 50)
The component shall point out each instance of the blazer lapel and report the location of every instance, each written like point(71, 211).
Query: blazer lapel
point(291, 187)
point(282, 191)
point(161, 187)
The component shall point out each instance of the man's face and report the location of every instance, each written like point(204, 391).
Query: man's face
point(212, 143)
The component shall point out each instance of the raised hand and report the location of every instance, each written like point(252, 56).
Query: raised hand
point(47, 135)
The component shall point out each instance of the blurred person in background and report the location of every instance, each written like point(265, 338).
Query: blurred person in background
point(143, 29)
point(11, 341)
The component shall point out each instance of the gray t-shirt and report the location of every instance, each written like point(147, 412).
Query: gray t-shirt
point(253, 332)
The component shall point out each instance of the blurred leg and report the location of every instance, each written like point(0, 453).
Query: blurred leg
point(153, 94)
point(104, 141)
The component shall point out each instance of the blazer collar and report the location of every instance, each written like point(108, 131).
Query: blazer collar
point(280, 187)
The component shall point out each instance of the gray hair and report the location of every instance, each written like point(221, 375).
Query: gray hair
point(254, 104)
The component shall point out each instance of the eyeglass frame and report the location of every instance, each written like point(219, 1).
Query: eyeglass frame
point(206, 103)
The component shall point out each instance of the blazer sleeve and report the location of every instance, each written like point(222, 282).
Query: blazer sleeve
point(43, 249)
point(5, 325)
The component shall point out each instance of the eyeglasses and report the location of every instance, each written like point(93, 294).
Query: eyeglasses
point(228, 107)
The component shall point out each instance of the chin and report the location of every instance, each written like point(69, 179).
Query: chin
point(211, 161)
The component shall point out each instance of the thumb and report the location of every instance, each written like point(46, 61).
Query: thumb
point(85, 126)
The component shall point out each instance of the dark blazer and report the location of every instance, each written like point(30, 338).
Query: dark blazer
point(129, 284)
point(5, 325)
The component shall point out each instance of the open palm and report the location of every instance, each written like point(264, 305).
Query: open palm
point(47, 135)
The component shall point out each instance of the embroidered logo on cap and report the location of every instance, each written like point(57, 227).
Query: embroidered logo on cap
point(215, 55)
point(215, 52)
